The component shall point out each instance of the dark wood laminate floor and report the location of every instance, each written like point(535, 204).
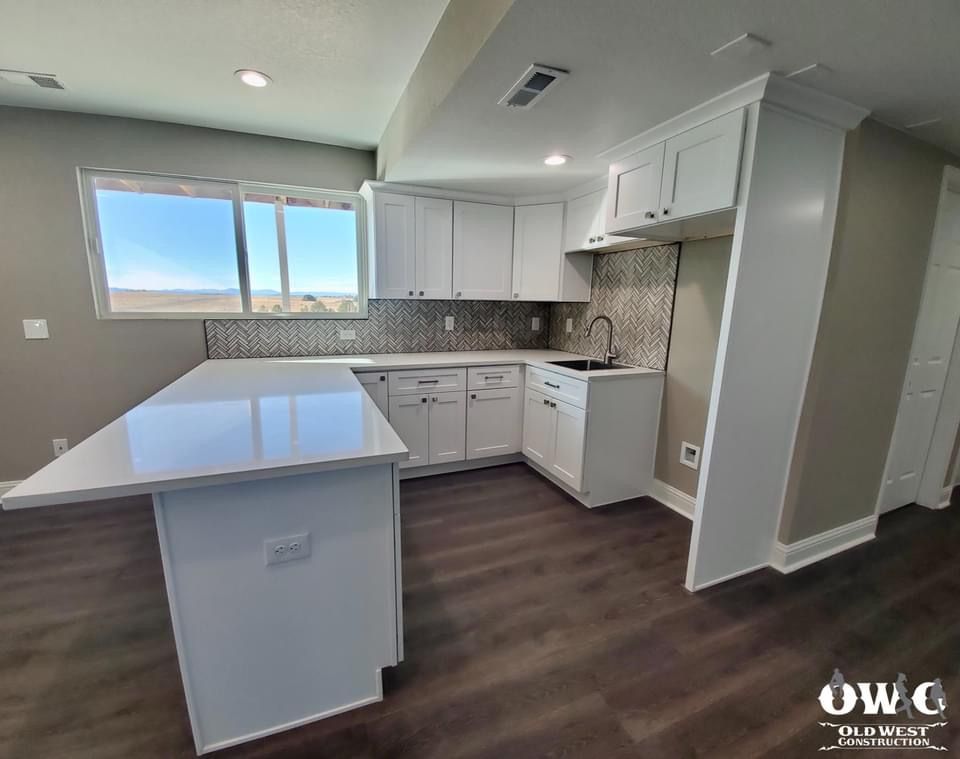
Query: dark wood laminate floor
point(533, 628)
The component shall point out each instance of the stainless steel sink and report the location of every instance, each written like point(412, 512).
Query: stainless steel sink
point(588, 364)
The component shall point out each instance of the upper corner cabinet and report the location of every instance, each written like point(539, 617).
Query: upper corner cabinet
point(692, 173)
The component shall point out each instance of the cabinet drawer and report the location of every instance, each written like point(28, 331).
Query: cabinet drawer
point(558, 386)
point(413, 381)
point(482, 377)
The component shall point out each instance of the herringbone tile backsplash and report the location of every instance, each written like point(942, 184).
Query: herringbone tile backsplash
point(635, 289)
point(393, 326)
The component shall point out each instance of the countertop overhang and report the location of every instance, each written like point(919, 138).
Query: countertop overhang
point(237, 420)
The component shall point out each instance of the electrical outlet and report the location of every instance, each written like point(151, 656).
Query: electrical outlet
point(535, 324)
point(348, 334)
point(690, 455)
point(60, 446)
point(290, 548)
point(448, 323)
point(35, 329)
point(569, 325)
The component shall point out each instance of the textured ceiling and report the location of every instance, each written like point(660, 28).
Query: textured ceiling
point(339, 66)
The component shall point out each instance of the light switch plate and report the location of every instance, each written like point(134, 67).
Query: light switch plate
point(290, 548)
point(535, 324)
point(569, 325)
point(35, 329)
point(690, 455)
point(348, 334)
point(448, 323)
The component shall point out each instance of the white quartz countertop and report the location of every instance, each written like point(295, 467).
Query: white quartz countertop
point(233, 420)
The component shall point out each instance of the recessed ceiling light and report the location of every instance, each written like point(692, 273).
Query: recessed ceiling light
point(252, 78)
point(743, 46)
point(556, 159)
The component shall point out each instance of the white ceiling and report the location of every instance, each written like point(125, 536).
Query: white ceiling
point(339, 66)
point(635, 63)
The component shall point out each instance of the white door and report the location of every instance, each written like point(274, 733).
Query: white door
point(410, 419)
point(930, 357)
point(494, 422)
point(448, 427)
point(537, 251)
point(434, 246)
point(482, 251)
point(571, 425)
point(375, 383)
point(395, 246)
point(701, 167)
point(580, 228)
point(633, 190)
point(539, 428)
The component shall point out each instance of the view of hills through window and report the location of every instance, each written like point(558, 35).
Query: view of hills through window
point(171, 247)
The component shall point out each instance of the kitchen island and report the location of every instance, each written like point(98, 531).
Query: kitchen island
point(275, 490)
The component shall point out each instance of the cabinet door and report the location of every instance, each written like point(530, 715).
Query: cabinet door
point(448, 427)
point(375, 383)
point(633, 190)
point(570, 432)
point(410, 418)
point(482, 251)
point(537, 251)
point(494, 422)
point(539, 428)
point(434, 246)
point(395, 254)
point(581, 225)
point(701, 167)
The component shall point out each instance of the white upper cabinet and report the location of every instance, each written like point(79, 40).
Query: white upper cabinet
point(692, 173)
point(434, 248)
point(541, 271)
point(634, 190)
point(585, 226)
point(393, 273)
point(701, 167)
point(482, 251)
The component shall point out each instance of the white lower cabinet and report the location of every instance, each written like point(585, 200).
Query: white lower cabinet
point(569, 440)
point(554, 434)
point(410, 417)
point(494, 422)
point(375, 383)
point(448, 427)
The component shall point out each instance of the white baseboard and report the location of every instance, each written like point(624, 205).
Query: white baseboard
point(6, 487)
point(788, 558)
point(946, 496)
point(673, 498)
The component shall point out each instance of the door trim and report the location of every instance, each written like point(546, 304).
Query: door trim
point(948, 415)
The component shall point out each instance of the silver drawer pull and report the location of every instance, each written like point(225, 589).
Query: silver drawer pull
point(428, 382)
point(550, 384)
point(492, 376)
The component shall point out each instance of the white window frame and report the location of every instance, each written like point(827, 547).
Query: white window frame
point(98, 275)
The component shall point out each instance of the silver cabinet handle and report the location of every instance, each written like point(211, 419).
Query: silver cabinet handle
point(593, 239)
point(434, 399)
point(423, 399)
point(410, 292)
point(473, 396)
point(516, 295)
point(492, 376)
point(552, 404)
point(459, 293)
point(649, 215)
point(428, 382)
point(421, 293)
point(546, 402)
point(599, 238)
point(666, 211)
point(383, 377)
point(550, 384)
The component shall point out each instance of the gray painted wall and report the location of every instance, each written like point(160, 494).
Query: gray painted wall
point(91, 371)
point(888, 202)
point(701, 284)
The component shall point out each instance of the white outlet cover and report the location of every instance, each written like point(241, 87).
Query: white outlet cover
point(569, 325)
point(35, 329)
point(60, 446)
point(290, 548)
point(448, 323)
point(348, 334)
point(535, 324)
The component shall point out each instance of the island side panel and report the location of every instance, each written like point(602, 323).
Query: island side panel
point(264, 648)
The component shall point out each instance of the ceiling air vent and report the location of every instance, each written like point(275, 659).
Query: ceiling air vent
point(532, 86)
point(30, 79)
